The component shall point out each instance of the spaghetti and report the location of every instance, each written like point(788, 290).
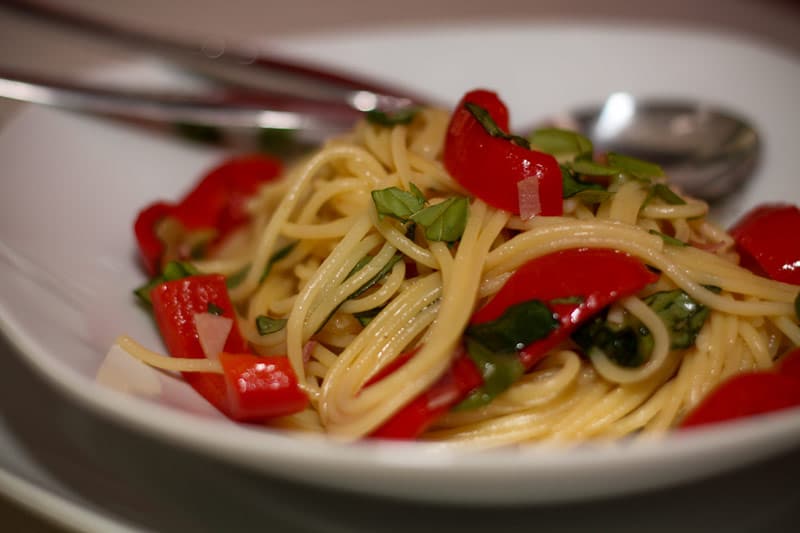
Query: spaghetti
point(370, 300)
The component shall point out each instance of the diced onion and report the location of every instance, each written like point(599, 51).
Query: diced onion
point(212, 332)
point(529, 203)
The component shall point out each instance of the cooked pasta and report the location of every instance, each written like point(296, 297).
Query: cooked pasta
point(344, 320)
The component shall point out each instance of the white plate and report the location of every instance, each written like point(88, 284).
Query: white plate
point(71, 188)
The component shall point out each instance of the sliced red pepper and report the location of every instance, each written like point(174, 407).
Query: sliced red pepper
point(151, 247)
point(217, 202)
point(744, 395)
point(174, 305)
point(270, 381)
point(789, 364)
point(597, 276)
point(261, 387)
point(417, 416)
point(766, 239)
point(490, 167)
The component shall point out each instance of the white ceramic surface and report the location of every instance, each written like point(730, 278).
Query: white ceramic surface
point(71, 187)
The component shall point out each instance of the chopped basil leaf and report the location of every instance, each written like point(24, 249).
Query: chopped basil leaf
point(377, 277)
point(266, 324)
point(591, 196)
point(389, 119)
point(236, 278)
point(172, 271)
point(571, 185)
point(416, 191)
point(560, 142)
point(214, 309)
point(398, 203)
point(715, 289)
point(592, 168)
point(444, 221)
point(491, 127)
point(178, 270)
point(365, 317)
point(517, 327)
point(683, 316)
point(628, 345)
point(667, 194)
point(364, 261)
point(667, 239)
point(370, 283)
point(633, 166)
point(499, 371)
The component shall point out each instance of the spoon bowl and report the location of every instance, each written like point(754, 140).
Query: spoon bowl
point(706, 151)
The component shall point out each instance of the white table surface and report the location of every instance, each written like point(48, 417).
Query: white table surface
point(55, 448)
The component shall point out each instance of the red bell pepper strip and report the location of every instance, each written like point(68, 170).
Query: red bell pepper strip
point(217, 202)
point(151, 247)
point(743, 395)
point(175, 304)
point(789, 364)
point(766, 239)
point(261, 387)
point(597, 276)
point(490, 167)
point(425, 409)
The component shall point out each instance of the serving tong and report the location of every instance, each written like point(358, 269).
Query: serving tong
point(248, 91)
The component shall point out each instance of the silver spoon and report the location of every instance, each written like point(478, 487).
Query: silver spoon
point(706, 151)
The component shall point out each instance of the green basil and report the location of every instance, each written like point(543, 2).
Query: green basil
point(389, 119)
point(236, 278)
point(572, 185)
point(485, 119)
point(214, 309)
point(365, 317)
point(560, 142)
point(444, 221)
point(518, 326)
point(173, 270)
point(683, 316)
point(377, 277)
point(397, 203)
point(499, 371)
point(633, 166)
point(592, 168)
point(662, 191)
point(628, 345)
point(266, 324)
point(494, 347)
point(667, 239)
